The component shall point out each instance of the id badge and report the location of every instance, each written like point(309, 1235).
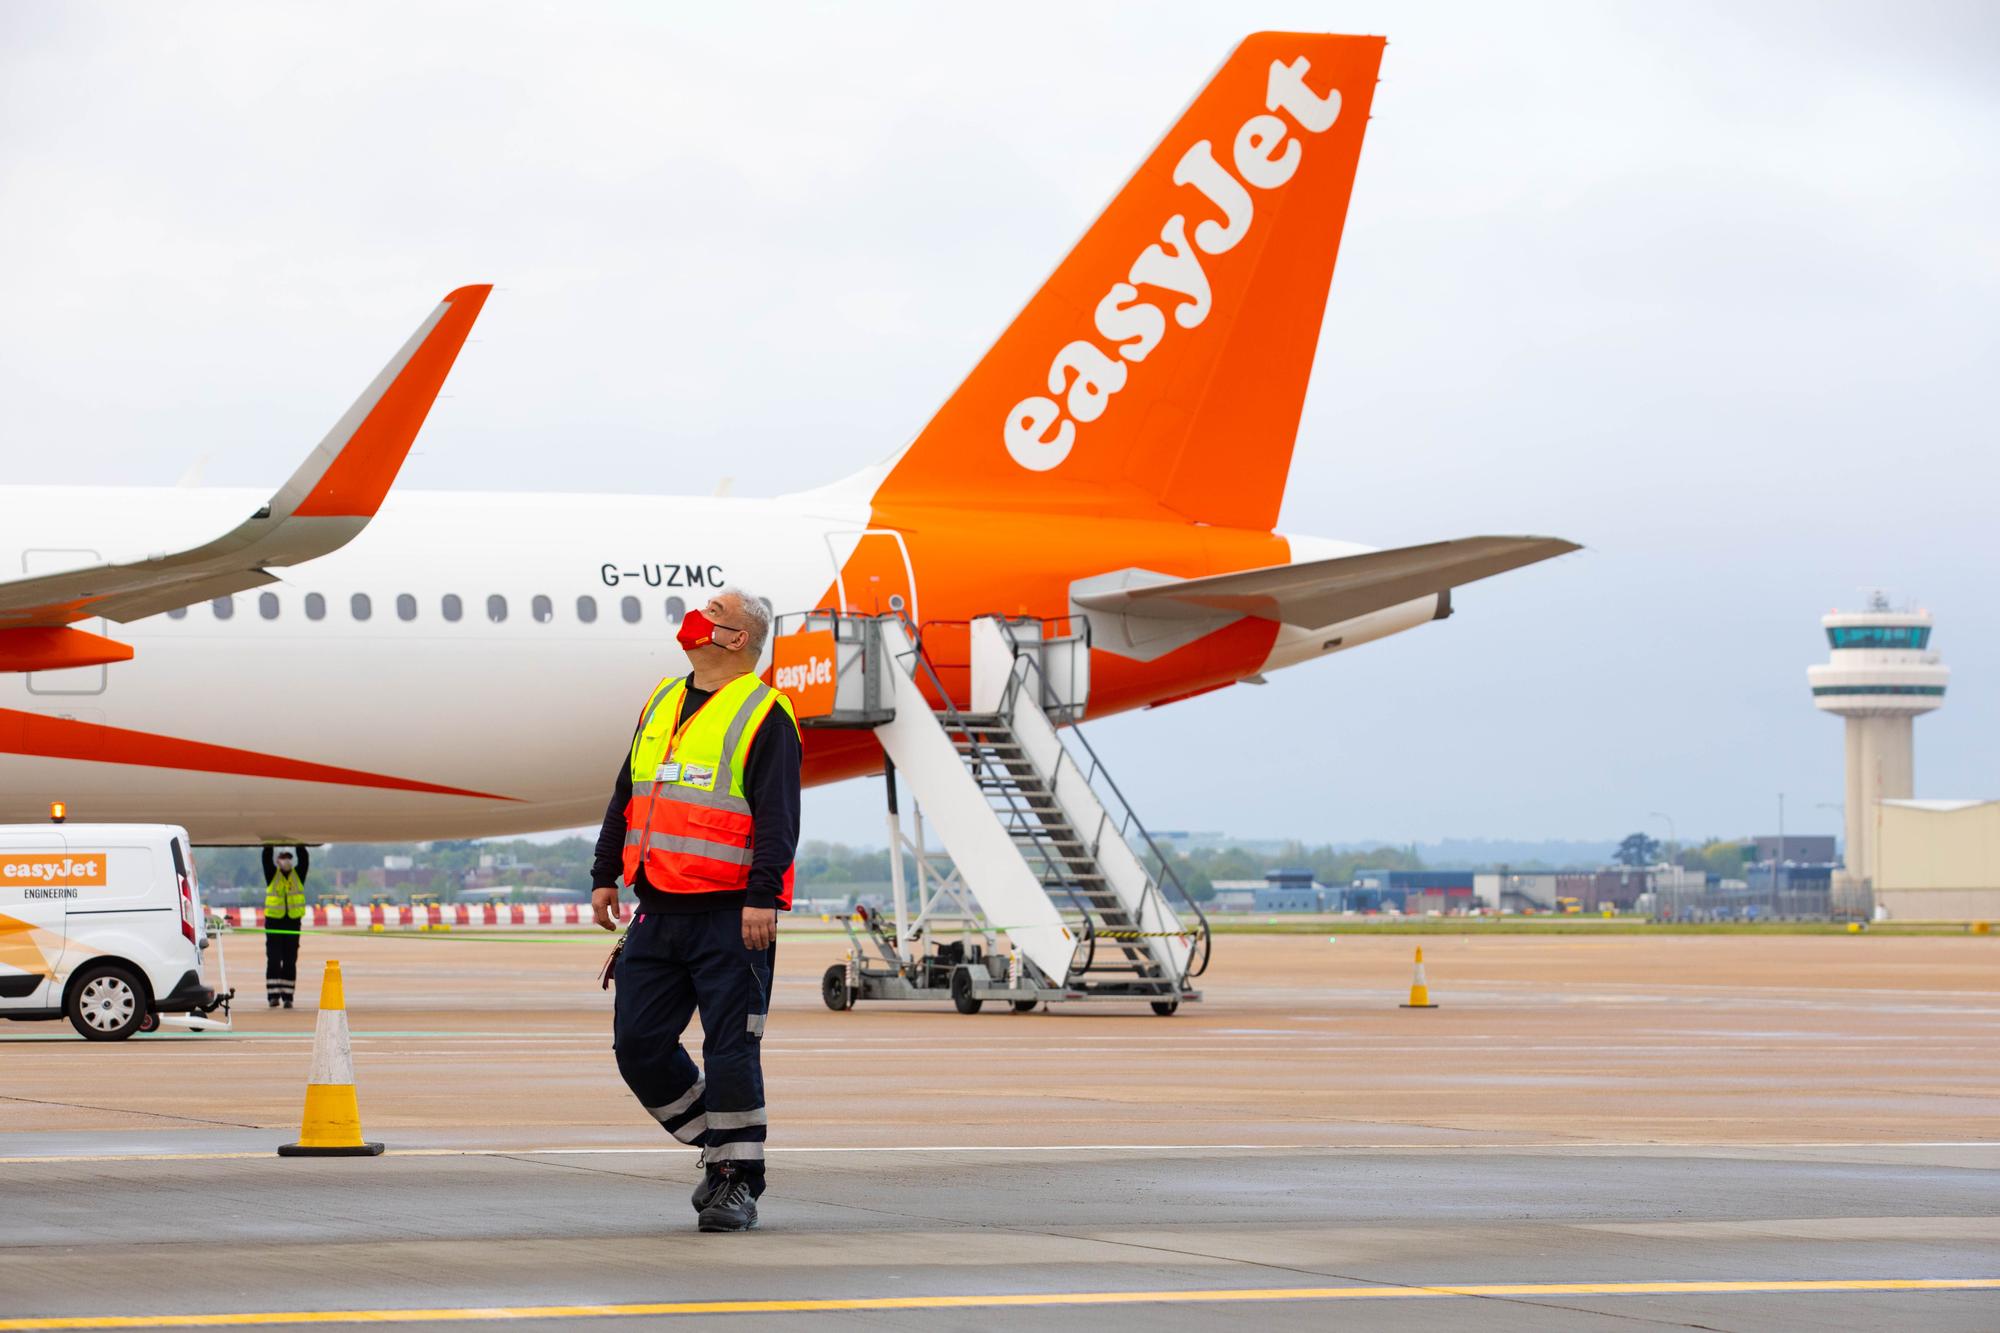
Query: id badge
point(668, 773)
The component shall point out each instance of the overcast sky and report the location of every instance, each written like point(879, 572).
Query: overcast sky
point(1710, 289)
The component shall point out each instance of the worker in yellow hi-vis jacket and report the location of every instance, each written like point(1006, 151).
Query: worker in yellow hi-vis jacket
point(284, 918)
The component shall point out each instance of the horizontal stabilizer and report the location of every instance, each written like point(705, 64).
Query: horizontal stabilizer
point(1316, 593)
point(327, 501)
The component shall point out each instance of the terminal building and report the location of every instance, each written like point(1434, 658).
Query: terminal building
point(1278, 891)
point(1938, 860)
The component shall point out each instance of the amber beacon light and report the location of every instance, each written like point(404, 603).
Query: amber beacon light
point(58, 811)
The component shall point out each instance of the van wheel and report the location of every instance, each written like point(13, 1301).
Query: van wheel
point(107, 1003)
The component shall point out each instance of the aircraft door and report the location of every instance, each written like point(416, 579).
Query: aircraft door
point(872, 573)
point(71, 680)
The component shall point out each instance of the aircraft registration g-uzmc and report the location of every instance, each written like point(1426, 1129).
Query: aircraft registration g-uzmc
point(356, 662)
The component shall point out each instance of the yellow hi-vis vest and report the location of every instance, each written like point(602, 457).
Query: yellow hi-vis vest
point(688, 824)
point(285, 895)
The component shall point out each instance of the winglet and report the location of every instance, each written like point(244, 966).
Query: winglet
point(320, 509)
point(351, 471)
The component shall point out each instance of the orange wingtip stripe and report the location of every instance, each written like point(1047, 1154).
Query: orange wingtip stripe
point(357, 480)
point(66, 738)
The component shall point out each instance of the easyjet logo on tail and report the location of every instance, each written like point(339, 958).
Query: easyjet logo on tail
point(1084, 377)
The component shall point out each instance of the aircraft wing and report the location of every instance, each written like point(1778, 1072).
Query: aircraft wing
point(1316, 593)
point(325, 504)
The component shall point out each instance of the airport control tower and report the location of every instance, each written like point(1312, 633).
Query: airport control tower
point(1881, 675)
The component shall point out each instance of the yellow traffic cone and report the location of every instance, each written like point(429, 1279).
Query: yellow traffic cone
point(332, 1124)
point(1420, 991)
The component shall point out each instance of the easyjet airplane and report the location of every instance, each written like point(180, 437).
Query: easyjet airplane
point(352, 662)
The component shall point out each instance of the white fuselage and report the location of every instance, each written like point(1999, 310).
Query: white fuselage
point(526, 708)
point(522, 715)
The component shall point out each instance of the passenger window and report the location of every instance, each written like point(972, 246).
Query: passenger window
point(544, 610)
point(586, 608)
point(361, 606)
point(225, 607)
point(676, 608)
point(267, 605)
point(178, 613)
point(453, 608)
point(629, 608)
point(406, 606)
point(315, 606)
point(496, 608)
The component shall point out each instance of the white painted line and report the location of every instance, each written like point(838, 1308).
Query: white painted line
point(1189, 1148)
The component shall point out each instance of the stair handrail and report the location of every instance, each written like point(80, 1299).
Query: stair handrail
point(1166, 873)
point(1021, 815)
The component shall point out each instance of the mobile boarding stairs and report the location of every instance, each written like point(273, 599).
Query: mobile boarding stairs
point(1047, 888)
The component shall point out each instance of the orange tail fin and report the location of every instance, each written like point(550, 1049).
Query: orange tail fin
point(1161, 370)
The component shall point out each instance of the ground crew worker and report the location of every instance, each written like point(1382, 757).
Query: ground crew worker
point(284, 918)
point(703, 824)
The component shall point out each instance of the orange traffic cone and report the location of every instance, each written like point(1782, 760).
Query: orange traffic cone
point(332, 1122)
point(1420, 991)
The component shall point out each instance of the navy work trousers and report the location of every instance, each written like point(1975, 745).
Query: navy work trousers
point(281, 956)
point(672, 966)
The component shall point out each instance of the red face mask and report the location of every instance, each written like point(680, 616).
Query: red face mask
point(698, 631)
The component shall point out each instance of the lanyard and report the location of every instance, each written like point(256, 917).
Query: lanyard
point(674, 741)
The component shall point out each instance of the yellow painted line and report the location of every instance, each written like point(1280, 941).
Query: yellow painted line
point(467, 1314)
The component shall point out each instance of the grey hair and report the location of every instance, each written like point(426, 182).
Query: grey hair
point(756, 614)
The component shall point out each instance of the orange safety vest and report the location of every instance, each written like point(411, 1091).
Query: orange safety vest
point(688, 824)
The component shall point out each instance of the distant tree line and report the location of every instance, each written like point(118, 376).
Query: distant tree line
point(826, 869)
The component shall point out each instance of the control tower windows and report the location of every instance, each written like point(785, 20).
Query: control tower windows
point(1821, 691)
point(1879, 636)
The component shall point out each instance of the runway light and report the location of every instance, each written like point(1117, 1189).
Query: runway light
point(58, 811)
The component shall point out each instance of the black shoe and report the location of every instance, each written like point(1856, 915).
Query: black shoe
point(712, 1181)
point(288, 1002)
point(732, 1208)
point(274, 1002)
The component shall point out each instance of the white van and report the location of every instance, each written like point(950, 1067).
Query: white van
point(102, 924)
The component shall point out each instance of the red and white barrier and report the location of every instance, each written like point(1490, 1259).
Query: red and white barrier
point(483, 916)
